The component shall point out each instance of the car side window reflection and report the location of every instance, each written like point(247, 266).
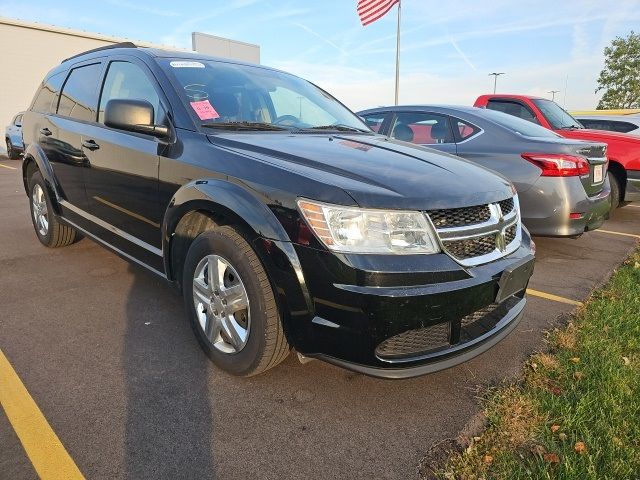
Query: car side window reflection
point(422, 128)
point(374, 121)
point(126, 81)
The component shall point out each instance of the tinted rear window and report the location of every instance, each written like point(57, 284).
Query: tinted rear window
point(518, 125)
point(79, 97)
point(44, 100)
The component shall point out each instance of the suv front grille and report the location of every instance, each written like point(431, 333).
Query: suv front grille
point(481, 233)
point(404, 346)
point(459, 217)
point(506, 206)
point(472, 247)
point(413, 342)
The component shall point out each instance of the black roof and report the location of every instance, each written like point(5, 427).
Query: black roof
point(106, 47)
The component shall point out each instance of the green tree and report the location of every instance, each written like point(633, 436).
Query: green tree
point(620, 78)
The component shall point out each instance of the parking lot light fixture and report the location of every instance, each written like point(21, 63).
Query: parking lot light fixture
point(495, 79)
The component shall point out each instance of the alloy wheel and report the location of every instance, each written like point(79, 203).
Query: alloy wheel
point(40, 210)
point(221, 303)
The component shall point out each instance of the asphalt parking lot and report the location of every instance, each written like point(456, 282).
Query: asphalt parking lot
point(106, 352)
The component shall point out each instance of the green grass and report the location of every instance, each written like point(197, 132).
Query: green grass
point(586, 386)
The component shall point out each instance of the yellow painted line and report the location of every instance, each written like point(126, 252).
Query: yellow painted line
point(7, 166)
point(632, 235)
point(550, 296)
point(43, 447)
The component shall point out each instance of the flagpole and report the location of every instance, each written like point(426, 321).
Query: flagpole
point(398, 52)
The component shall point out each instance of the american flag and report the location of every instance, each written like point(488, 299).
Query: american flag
point(371, 10)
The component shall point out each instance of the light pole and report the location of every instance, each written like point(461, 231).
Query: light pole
point(495, 79)
point(553, 94)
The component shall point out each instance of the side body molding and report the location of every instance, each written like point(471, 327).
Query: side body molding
point(34, 152)
point(269, 238)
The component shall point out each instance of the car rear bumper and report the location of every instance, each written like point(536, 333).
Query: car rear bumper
point(547, 207)
point(407, 316)
point(632, 190)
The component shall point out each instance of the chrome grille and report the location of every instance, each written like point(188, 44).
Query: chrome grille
point(472, 238)
point(510, 234)
point(506, 206)
point(472, 247)
point(458, 217)
point(414, 342)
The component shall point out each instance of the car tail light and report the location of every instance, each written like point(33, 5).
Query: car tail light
point(558, 165)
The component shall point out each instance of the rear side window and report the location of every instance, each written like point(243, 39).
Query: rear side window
point(44, 101)
point(374, 120)
point(464, 130)
point(79, 97)
point(512, 108)
point(127, 81)
point(623, 127)
point(422, 128)
point(517, 125)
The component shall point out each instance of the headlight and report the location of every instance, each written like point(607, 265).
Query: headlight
point(361, 230)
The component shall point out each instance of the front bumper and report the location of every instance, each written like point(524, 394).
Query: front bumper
point(364, 301)
point(632, 190)
point(547, 205)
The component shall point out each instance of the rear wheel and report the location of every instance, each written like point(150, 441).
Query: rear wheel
point(49, 230)
point(231, 304)
point(615, 191)
point(12, 153)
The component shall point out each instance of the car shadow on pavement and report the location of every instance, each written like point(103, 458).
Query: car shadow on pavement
point(168, 419)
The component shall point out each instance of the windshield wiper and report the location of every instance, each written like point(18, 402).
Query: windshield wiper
point(570, 127)
point(261, 126)
point(339, 127)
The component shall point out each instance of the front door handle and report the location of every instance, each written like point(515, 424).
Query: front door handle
point(45, 131)
point(90, 144)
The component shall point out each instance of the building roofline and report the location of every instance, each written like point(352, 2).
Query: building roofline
point(80, 33)
point(193, 34)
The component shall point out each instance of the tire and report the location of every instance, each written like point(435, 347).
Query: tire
point(260, 342)
point(615, 191)
point(11, 152)
point(52, 234)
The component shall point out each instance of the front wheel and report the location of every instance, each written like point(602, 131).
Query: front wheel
point(12, 153)
point(231, 304)
point(49, 230)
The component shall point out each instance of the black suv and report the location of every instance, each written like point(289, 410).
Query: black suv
point(282, 218)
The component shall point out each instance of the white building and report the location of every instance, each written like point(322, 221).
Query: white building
point(30, 50)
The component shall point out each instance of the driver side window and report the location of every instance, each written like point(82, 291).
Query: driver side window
point(290, 104)
point(127, 81)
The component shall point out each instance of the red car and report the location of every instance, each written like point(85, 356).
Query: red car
point(623, 150)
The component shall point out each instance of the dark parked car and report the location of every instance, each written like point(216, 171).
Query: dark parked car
point(284, 220)
point(614, 123)
point(13, 137)
point(562, 183)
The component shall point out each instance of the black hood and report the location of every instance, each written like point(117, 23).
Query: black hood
point(375, 171)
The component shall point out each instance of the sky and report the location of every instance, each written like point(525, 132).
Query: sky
point(447, 48)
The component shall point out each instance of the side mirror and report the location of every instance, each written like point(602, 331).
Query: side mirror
point(133, 116)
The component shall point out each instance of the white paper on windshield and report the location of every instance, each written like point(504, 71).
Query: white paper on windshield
point(186, 64)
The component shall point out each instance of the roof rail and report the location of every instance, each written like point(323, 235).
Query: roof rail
point(106, 47)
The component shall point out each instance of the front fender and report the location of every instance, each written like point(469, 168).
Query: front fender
point(268, 237)
point(35, 153)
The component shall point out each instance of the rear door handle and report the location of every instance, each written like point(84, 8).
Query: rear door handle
point(90, 144)
point(45, 131)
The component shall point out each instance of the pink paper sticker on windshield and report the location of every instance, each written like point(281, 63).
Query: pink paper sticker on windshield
point(204, 110)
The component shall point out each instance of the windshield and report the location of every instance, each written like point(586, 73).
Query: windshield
point(243, 97)
point(518, 125)
point(556, 115)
